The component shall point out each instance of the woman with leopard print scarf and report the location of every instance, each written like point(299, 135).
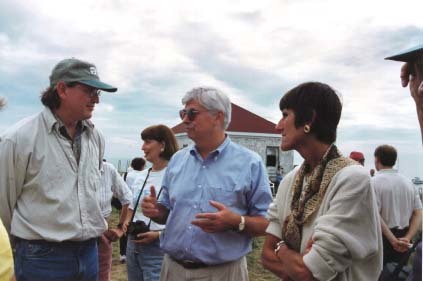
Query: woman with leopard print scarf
point(324, 222)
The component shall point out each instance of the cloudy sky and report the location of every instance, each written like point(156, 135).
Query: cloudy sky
point(155, 51)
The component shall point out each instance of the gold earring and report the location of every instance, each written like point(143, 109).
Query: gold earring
point(307, 129)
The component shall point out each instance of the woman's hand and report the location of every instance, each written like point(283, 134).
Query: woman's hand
point(293, 263)
point(147, 237)
point(308, 246)
point(270, 260)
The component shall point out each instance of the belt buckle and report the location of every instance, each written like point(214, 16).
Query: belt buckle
point(189, 264)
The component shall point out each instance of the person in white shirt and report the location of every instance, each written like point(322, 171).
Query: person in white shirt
point(143, 254)
point(137, 165)
point(112, 185)
point(399, 205)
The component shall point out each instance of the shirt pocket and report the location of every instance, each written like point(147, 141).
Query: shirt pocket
point(226, 195)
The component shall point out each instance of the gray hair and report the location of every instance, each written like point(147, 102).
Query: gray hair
point(212, 99)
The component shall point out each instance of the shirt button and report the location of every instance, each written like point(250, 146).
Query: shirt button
point(199, 185)
point(189, 227)
point(204, 167)
point(195, 206)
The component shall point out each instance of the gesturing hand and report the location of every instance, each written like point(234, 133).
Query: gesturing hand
point(149, 204)
point(224, 219)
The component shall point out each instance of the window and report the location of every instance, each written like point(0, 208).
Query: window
point(272, 156)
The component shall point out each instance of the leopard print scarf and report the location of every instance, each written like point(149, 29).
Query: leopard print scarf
point(307, 200)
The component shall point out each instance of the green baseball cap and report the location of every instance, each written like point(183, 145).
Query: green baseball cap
point(74, 70)
point(408, 55)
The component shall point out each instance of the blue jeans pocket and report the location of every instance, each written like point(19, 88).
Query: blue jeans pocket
point(34, 250)
point(35, 262)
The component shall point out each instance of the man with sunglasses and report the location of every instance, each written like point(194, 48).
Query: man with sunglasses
point(50, 176)
point(214, 199)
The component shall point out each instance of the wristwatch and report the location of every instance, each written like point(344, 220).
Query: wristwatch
point(241, 225)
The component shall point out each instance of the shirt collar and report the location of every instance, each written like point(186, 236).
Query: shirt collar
point(54, 123)
point(215, 153)
point(388, 171)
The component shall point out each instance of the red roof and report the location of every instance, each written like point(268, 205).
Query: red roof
point(242, 121)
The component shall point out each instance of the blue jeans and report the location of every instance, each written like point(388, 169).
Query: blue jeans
point(144, 262)
point(65, 261)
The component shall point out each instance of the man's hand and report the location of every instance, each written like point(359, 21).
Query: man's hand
point(224, 219)
point(113, 234)
point(400, 245)
point(149, 205)
point(404, 243)
point(125, 226)
point(409, 77)
point(147, 237)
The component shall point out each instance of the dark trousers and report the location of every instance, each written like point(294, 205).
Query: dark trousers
point(123, 240)
point(38, 260)
point(389, 254)
point(122, 245)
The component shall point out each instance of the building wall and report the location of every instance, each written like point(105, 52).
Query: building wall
point(257, 144)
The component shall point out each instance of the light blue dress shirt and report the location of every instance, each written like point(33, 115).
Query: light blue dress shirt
point(231, 175)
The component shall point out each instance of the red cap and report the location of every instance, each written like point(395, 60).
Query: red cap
point(356, 155)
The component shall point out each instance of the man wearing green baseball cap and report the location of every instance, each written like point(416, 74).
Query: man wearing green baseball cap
point(49, 176)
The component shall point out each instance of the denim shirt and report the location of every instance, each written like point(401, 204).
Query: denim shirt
point(231, 175)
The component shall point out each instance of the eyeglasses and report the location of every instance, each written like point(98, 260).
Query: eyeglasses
point(190, 113)
point(92, 92)
point(89, 91)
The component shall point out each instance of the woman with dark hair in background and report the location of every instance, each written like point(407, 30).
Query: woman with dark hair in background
point(324, 222)
point(143, 254)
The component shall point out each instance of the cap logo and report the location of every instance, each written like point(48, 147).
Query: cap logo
point(93, 70)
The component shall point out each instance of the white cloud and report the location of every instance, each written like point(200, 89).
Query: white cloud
point(155, 51)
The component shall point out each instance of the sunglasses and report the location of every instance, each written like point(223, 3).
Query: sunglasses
point(190, 113)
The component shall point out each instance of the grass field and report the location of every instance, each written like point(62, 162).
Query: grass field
point(256, 271)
